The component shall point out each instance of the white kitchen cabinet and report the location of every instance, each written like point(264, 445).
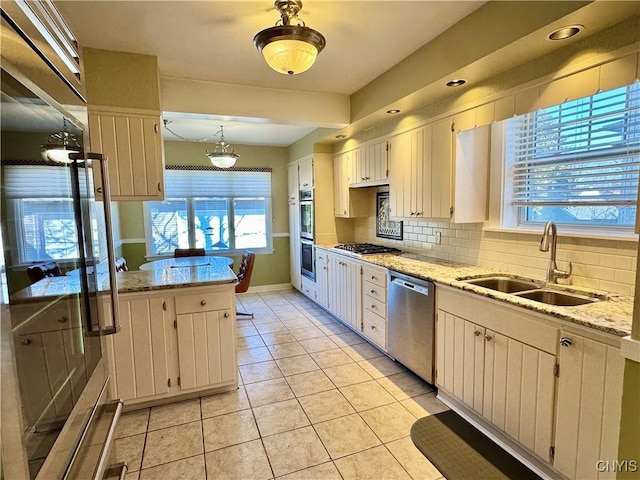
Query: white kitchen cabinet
point(345, 289)
point(294, 238)
point(374, 302)
point(348, 203)
point(509, 383)
point(133, 143)
point(410, 188)
point(370, 167)
point(589, 406)
point(322, 278)
point(292, 182)
point(173, 342)
point(139, 353)
point(306, 173)
point(439, 171)
point(309, 287)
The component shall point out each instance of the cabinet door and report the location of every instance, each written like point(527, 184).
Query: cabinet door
point(400, 175)
point(519, 386)
point(420, 172)
point(139, 352)
point(294, 244)
point(441, 152)
point(306, 174)
point(339, 174)
point(588, 407)
point(292, 182)
point(205, 354)
point(322, 280)
point(358, 167)
point(333, 292)
point(471, 175)
point(134, 146)
point(352, 287)
point(376, 159)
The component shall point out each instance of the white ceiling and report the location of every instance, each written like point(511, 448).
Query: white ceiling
point(213, 41)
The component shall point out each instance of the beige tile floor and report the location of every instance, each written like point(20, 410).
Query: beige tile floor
point(316, 401)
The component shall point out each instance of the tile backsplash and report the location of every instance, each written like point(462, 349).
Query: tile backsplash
point(607, 265)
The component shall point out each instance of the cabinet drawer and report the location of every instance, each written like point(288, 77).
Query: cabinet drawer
point(375, 275)
point(375, 306)
point(321, 256)
point(202, 302)
point(375, 329)
point(309, 288)
point(375, 291)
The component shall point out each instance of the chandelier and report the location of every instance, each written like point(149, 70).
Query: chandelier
point(58, 146)
point(290, 47)
point(221, 157)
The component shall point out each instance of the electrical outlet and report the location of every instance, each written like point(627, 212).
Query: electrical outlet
point(438, 238)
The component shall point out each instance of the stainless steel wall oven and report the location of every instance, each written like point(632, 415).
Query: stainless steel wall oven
point(306, 214)
point(307, 259)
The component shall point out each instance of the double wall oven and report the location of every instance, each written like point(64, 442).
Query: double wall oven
point(307, 254)
point(56, 421)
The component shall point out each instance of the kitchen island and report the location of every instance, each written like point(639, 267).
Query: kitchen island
point(177, 333)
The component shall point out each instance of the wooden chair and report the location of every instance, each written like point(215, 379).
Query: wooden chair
point(244, 276)
point(188, 252)
point(41, 270)
point(121, 265)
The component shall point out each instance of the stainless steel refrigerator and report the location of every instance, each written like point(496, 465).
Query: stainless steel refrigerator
point(57, 267)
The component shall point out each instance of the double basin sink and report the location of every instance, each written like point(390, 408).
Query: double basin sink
point(531, 290)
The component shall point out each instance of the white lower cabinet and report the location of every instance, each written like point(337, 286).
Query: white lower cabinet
point(509, 383)
point(173, 342)
point(507, 365)
point(308, 287)
point(588, 408)
point(356, 293)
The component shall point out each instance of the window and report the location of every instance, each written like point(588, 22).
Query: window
point(41, 213)
point(212, 209)
point(576, 163)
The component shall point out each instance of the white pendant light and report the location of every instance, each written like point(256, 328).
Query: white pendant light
point(221, 157)
point(58, 146)
point(289, 49)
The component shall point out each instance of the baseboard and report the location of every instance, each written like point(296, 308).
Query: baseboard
point(267, 288)
point(511, 446)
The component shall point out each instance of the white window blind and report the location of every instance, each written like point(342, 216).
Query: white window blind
point(40, 181)
point(580, 153)
point(210, 183)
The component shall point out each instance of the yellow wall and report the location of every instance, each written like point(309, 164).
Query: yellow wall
point(270, 268)
point(119, 79)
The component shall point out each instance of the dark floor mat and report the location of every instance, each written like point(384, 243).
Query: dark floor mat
point(461, 452)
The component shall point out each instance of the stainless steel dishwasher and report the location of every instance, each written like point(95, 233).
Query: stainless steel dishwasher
point(411, 326)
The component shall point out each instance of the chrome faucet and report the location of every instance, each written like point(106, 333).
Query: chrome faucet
point(553, 273)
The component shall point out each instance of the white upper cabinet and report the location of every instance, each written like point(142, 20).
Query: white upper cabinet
point(292, 182)
point(348, 202)
point(369, 166)
point(133, 144)
point(306, 174)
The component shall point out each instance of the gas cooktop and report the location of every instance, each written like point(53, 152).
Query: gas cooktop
point(366, 248)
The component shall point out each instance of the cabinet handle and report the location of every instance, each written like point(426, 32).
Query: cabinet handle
point(487, 337)
point(159, 187)
point(203, 303)
point(477, 332)
point(99, 189)
point(373, 327)
point(373, 306)
point(155, 127)
point(373, 277)
point(373, 292)
point(226, 314)
point(566, 341)
point(344, 212)
point(62, 319)
point(26, 341)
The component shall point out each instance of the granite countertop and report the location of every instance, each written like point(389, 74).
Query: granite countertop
point(612, 314)
point(131, 281)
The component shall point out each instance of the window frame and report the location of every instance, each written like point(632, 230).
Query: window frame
point(503, 216)
point(151, 255)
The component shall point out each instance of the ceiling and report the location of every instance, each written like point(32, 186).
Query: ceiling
point(212, 41)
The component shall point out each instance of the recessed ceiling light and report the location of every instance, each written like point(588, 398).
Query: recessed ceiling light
point(565, 32)
point(393, 111)
point(341, 136)
point(456, 82)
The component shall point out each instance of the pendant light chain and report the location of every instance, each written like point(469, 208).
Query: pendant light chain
point(208, 139)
